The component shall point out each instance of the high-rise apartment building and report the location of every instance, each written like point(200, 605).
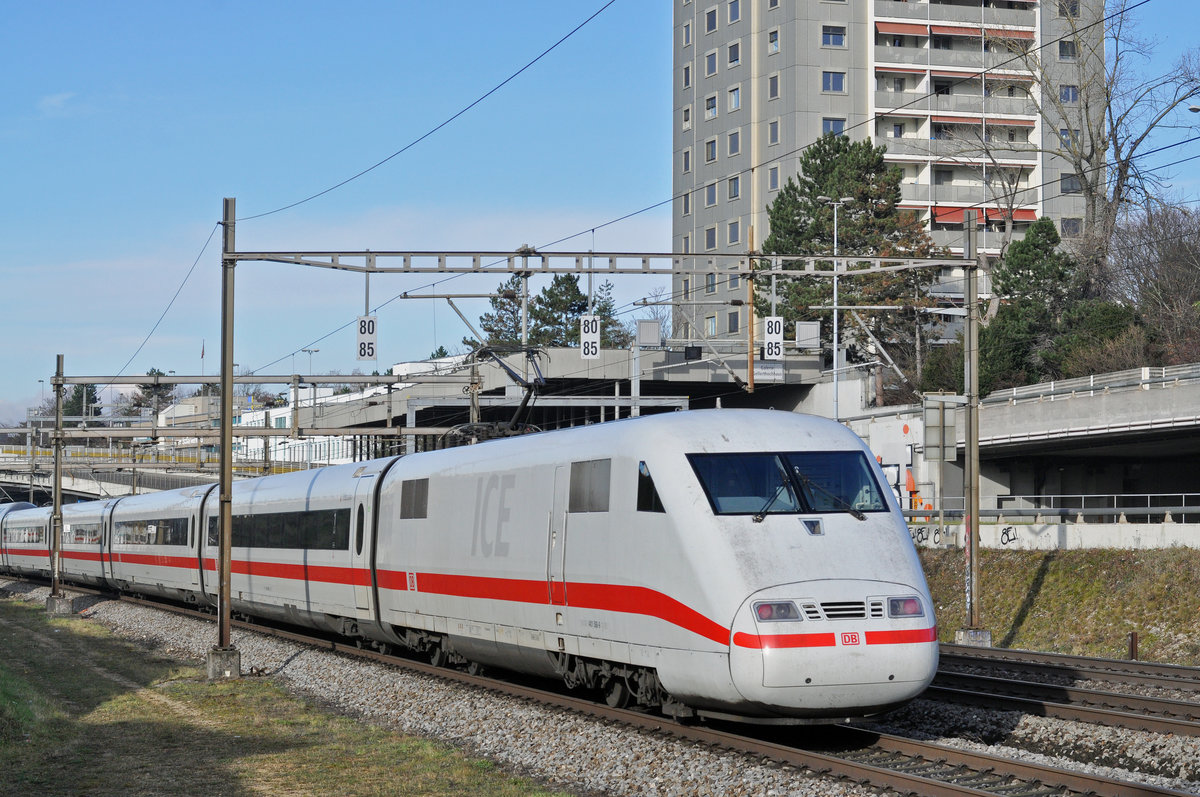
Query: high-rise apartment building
point(946, 86)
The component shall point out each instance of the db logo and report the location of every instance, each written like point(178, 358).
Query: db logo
point(851, 638)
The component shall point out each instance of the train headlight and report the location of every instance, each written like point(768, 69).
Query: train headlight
point(905, 607)
point(775, 611)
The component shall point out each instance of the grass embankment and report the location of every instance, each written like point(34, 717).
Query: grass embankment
point(84, 713)
point(1077, 602)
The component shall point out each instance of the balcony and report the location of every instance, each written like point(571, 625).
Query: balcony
point(901, 101)
point(951, 149)
point(901, 10)
point(909, 56)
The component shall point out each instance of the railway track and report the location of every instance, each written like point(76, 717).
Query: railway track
point(1057, 665)
point(882, 761)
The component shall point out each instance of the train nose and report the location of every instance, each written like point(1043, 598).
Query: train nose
point(815, 645)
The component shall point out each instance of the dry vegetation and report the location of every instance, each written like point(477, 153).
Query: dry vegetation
point(1078, 602)
point(84, 713)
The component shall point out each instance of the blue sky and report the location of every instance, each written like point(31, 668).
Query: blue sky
point(123, 125)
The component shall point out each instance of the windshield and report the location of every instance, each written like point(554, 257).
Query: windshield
point(788, 482)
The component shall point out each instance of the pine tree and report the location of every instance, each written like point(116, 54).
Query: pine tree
point(871, 224)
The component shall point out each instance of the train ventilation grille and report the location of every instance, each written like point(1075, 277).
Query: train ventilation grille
point(876, 609)
point(844, 610)
point(811, 611)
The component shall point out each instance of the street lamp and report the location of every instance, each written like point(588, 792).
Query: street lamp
point(310, 353)
point(836, 204)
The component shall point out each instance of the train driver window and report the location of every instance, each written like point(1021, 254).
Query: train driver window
point(647, 496)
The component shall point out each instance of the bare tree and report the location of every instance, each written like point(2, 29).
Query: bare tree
point(1103, 118)
point(1155, 260)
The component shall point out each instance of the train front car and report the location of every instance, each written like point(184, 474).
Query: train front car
point(830, 616)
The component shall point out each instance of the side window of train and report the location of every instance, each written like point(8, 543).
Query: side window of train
point(647, 497)
point(213, 539)
point(358, 533)
point(414, 499)
point(589, 486)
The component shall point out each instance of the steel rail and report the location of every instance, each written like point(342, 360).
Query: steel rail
point(1146, 673)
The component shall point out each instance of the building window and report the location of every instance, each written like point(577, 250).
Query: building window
point(710, 283)
point(687, 244)
point(710, 238)
point(687, 33)
point(772, 4)
point(733, 322)
point(733, 278)
point(773, 131)
point(773, 41)
point(710, 20)
point(773, 178)
point(833, 36)
point(1069, 184)
point(834, 126)
point(710, 150)
point(833, 82)
point(687, 161)
point(735, 236)
point(898, 130)
point(898, 85)
point(943, 176)
point(735, 187)
point(1071, 227)
point(941, 43)
point(687, 288)
point(710, 326)
point(1068, 8)
point(686, 200)
point(687, 76)
point(735, 98)
point(1068, 136)
point(710, 107)
point(734, 141)
point(710, 195)
point(773, 87)
point(735, 53)
point(735, 10)
point(710, 63)
point(1068, 93)
point(943, 87)
point(687, 117)
point(1067, 50)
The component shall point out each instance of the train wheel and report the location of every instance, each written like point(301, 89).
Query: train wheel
point(437, 656)
point(474, 668)
point(616, 693)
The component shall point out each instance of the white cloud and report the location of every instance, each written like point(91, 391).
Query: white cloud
point(55, 104)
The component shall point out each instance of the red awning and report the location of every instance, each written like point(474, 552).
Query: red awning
point(905, 70)
point(948, 30)
point(1011, 122)
point(945, 73)
point(902, 28)
point(1002, 33)
point(958, 120)
point(946, 215)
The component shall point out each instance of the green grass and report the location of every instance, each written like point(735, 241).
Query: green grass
point(1077, 602)
point(84, 713)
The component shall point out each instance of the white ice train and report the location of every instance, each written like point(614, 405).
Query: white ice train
point(729, 563)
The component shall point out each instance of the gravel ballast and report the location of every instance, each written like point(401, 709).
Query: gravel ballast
point(586, 755)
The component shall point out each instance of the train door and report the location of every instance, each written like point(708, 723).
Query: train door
point(557, 544)
point(362, 531)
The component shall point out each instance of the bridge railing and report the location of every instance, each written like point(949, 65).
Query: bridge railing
point(1147, 378)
